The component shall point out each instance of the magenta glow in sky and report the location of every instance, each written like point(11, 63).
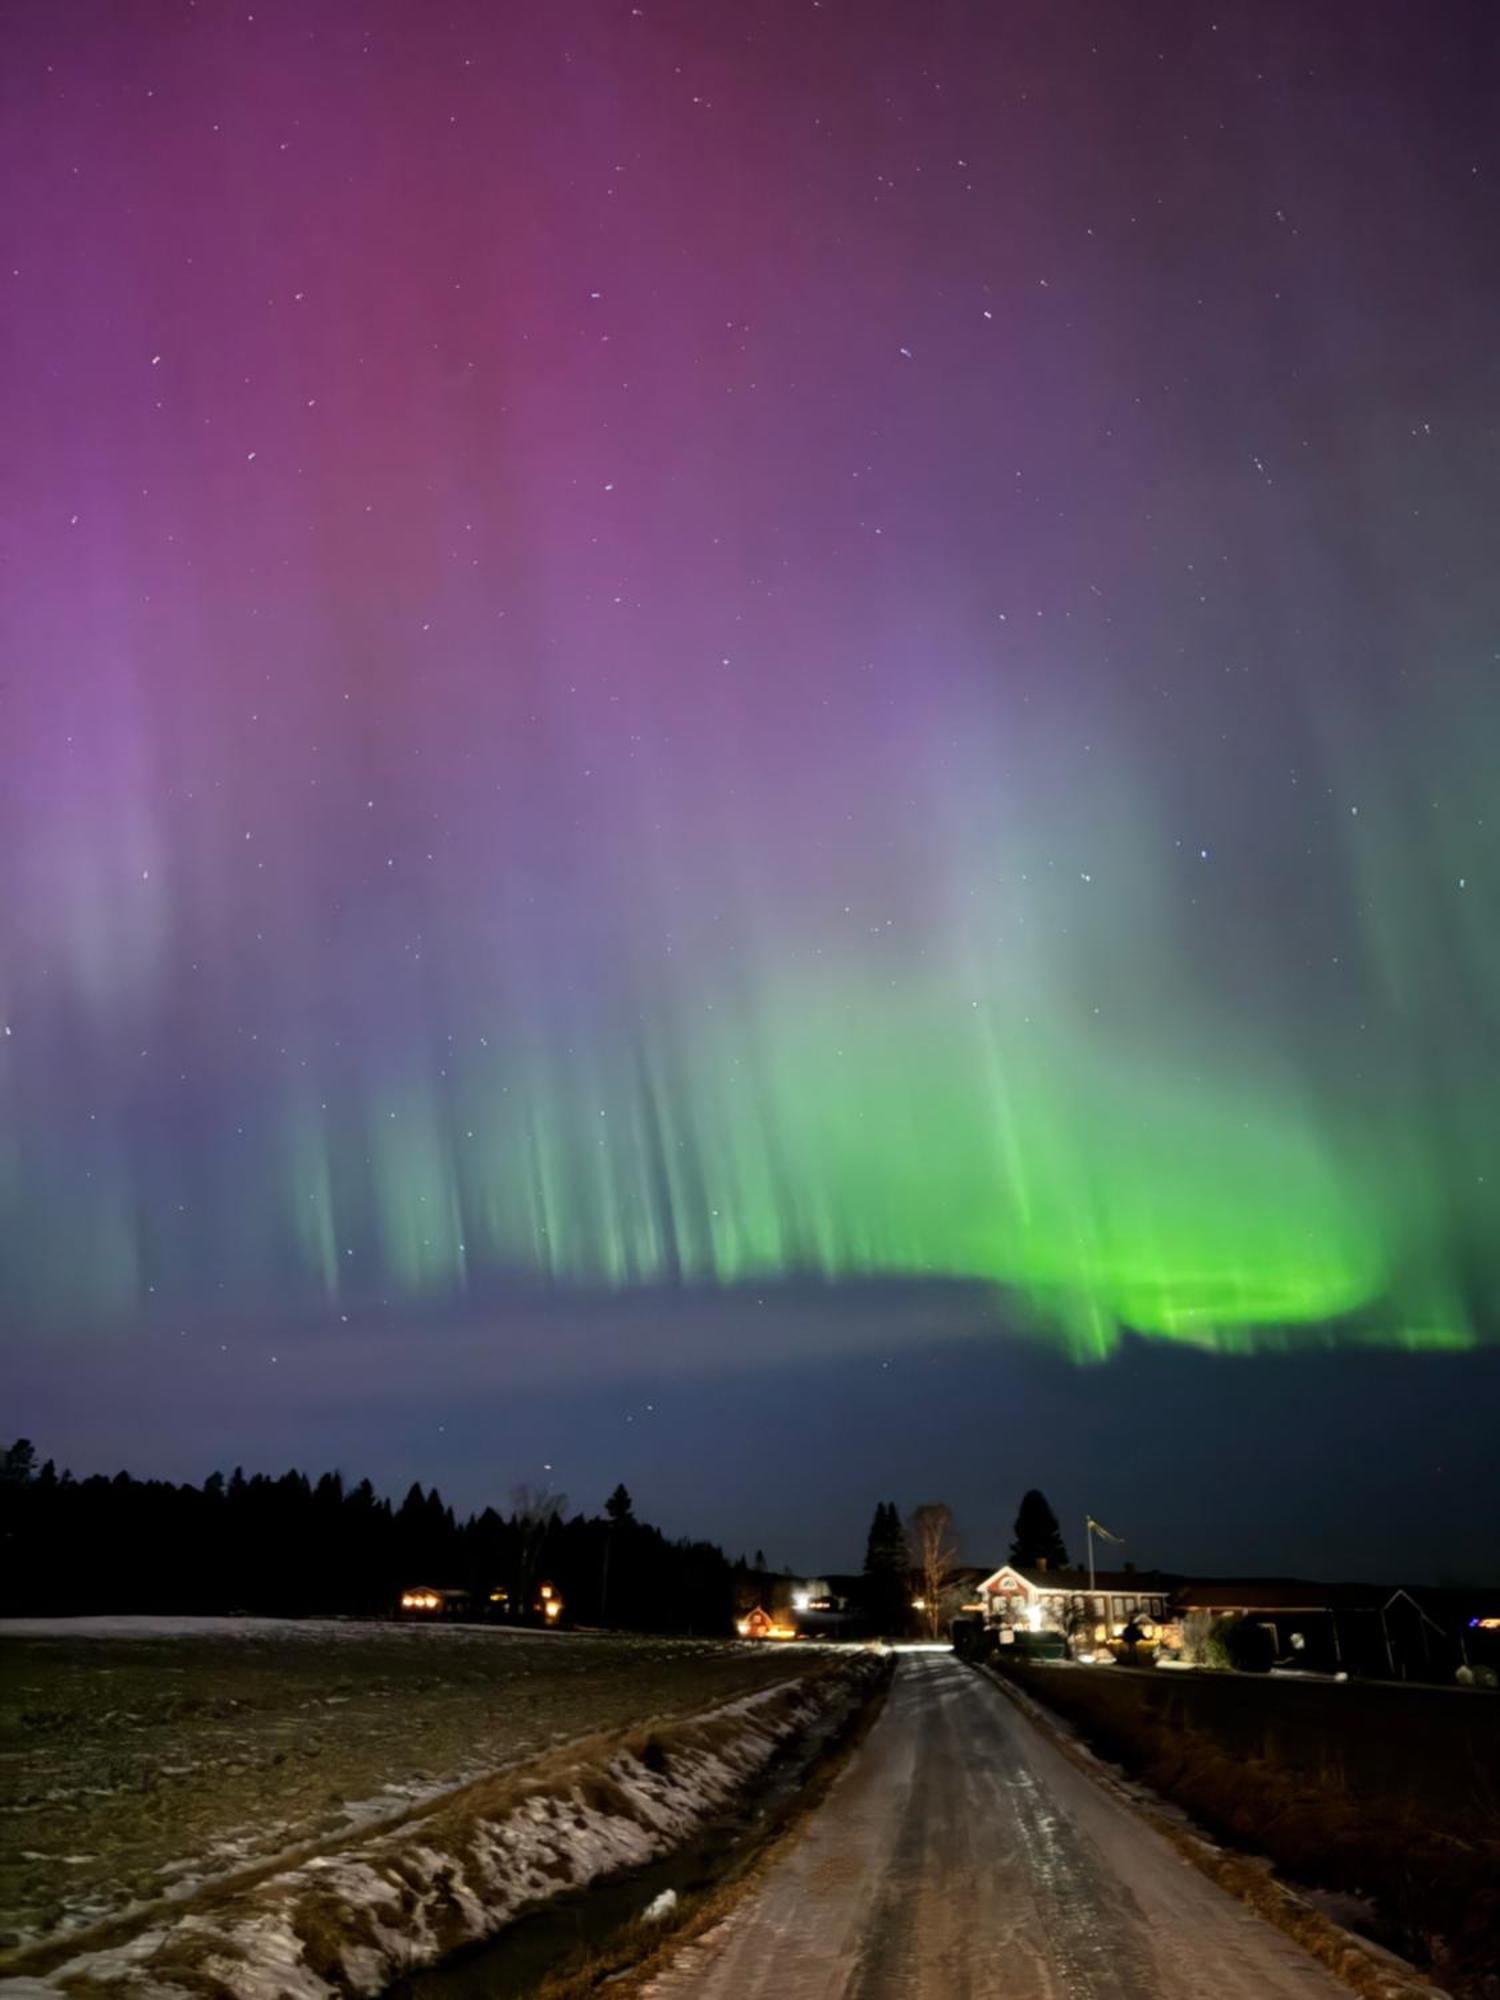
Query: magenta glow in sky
point(658, 643)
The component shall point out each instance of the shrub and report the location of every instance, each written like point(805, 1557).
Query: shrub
point(1250, 1648)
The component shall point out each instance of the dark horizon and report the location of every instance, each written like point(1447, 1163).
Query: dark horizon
point(1206, 1466)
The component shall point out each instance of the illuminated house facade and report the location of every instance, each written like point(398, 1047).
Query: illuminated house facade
point(1387, 1632)
point(425, 1600)
point(758, 1623)
point(1083, 1610)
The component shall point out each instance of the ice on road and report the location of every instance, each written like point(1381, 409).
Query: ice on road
point(960, 1854)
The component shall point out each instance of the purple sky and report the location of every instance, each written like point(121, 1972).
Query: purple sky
point(758, 735)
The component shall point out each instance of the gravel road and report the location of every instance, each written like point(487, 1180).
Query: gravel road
point(961, 1856)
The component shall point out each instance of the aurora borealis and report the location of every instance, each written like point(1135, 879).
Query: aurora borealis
point(671, 646)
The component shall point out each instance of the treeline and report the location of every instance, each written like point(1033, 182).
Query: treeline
point(294, 1546)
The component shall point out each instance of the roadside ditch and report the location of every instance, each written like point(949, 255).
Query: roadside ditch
point(499, 1884)
point(1056, 1701)
point(619, 1928)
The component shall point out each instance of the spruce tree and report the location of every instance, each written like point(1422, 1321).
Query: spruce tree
point(1038, 1538)
point(887, 1571)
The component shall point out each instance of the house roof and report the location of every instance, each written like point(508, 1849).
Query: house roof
point(1271, 1593)
point(1148, 1581)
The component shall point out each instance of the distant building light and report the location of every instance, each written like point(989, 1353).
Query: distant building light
point(919, 1604)
point(801, 1599)
point(1486, 1624)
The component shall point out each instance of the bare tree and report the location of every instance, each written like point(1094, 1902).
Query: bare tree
point(934, 1551)
point(535, 1510)
point(536, 1506)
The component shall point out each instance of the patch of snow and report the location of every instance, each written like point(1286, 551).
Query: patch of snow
point(408, 1894)
point(185, 1627)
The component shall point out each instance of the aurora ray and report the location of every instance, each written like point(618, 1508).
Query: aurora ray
point(621, 677)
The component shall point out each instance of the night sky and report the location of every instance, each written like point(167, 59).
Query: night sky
point(754, 746)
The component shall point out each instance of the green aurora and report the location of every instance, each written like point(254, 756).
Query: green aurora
point(643, 662)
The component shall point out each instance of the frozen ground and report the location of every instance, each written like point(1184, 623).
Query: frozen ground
point(961, 1856)
point(141, 1758)
point(349, 1919)
point(185, 1627)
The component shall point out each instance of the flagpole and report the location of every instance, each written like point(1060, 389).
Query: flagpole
point(1088, 1530)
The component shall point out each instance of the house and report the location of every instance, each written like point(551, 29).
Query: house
point(759, 1623)
point(1087, 1610)
point(1288, 1624)
point(549, 1604)
point(1385, 1631)
point(821, 1607)
point(1313, 1627)
point(810, 1593)
point(428, 1601)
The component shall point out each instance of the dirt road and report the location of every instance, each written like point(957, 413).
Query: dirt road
point(960, 1856)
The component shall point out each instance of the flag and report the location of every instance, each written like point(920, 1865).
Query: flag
point(1103, 1533)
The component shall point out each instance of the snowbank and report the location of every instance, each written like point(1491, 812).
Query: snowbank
point(349, 1922)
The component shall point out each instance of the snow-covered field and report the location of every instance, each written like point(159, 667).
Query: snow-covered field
point(183, 1625)
point(349, 1919)
point(143, 1758)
